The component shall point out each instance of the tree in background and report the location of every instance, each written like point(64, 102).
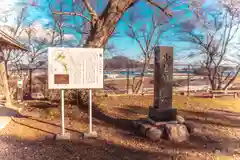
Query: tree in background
point(214, 38)
point(35, 38)
point(97, 20)
point(147, 37)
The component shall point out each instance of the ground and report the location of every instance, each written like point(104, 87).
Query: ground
point(216, 135)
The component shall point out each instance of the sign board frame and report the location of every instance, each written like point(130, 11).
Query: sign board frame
point(83, 68)
point(63, 80)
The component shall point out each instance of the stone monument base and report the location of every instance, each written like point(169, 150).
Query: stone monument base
point(159, 115)
point(176, 131)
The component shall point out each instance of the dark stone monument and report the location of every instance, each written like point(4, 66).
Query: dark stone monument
point(163, 75)
point(163, 121)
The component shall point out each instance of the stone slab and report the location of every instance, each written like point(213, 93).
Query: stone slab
point(65, 136)
point(159, 114)
point(93, 134)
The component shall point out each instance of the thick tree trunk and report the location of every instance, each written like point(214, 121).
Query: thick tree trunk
point(103, 27)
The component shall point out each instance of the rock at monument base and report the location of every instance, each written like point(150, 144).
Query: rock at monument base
point(159, 114)
point(190, 127)
point(155, 133)
point(177, 132)
point(137, 123)
point(144, 127)
point(180, 119)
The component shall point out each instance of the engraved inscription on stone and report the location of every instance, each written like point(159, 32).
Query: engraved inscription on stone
point(163, 72)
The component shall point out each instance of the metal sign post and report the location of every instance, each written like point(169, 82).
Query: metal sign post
point(90, 111)
point(64, 135)
point(68, 70)
point(62, 111)
point(91, 133)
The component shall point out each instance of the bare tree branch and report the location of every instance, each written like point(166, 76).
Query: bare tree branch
point(72, 14)
point(90, 10)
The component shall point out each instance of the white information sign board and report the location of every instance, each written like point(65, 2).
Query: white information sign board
point(75, 68)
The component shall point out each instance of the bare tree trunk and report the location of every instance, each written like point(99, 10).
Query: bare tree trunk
point(139, 84)
point(212, 82)
point(231, 81)
point(103, 27)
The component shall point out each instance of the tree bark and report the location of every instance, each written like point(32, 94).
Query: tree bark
point(103, 27)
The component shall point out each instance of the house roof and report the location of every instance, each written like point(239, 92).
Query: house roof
point(8, 42)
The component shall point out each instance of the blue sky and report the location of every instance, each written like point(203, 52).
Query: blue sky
point(125, 45)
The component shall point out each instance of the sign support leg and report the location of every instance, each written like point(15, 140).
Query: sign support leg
point(90, 133)
point(63, 135)
point(62, 111)
point(90, 111)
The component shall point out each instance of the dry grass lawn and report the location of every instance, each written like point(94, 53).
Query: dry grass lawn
point(216, 135)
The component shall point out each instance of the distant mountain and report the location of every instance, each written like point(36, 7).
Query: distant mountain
point(121, 62)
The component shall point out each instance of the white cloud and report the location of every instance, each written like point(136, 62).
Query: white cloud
point(42, 32)
point(10, 9)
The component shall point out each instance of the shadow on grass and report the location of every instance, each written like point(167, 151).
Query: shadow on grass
point(197, 142)
point(201, 96)
point(99, 114)
point(62, 150)
point(32, 127)
point(213, 117)
point(43, 105)
point(206, 143)
point(39, 129)
point(133, 109)
point(9, 112)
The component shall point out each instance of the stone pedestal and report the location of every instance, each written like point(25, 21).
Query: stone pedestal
point(158, 114)
point(93, 134)
point(65, 136)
